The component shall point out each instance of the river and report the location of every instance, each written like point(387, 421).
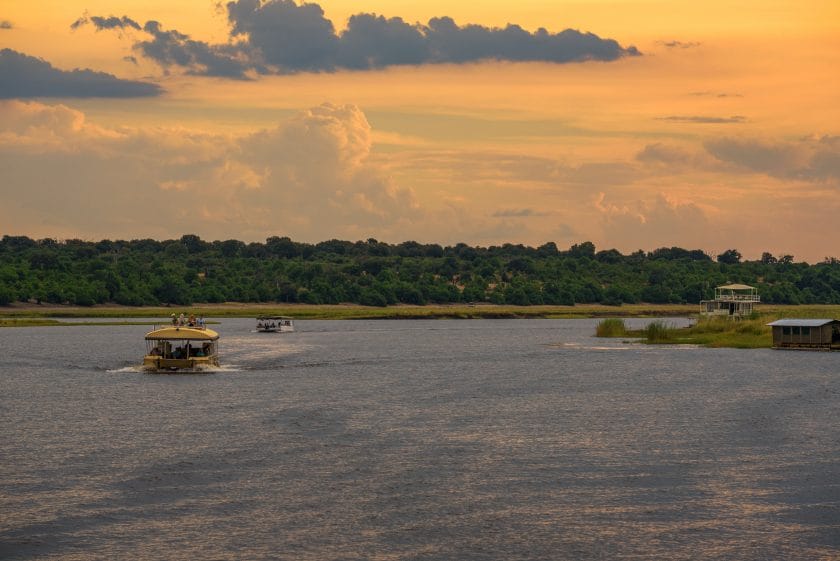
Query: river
point(422, 440)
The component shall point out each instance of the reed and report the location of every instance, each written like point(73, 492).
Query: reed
point(659, 332)
point(611, 327)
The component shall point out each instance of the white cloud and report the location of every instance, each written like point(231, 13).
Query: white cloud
point(308, 177)
point(646, 224)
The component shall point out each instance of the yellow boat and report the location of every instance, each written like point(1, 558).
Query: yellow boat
point(181, 348)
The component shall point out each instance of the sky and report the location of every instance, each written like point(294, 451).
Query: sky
point(633, 124)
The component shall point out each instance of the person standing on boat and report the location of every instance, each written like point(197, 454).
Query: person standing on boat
point(181, 319)
point(174, 320)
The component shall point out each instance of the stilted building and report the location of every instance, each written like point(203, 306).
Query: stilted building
point(812, 334)
point(731, 300)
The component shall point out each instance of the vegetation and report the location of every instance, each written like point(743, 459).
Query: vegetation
point(708, 332)
point(190, 270)
point(659, 332)
point(611, 327)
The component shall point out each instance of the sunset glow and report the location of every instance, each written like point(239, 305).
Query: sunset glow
point(702, 125)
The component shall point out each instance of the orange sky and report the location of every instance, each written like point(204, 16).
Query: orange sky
point(723, 134)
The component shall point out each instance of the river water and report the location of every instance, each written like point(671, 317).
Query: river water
point(428, 440)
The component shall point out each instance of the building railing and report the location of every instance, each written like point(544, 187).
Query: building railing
point(738, 297)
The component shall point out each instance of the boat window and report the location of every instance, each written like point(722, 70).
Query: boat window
point(796, 330)
point(806, 331)
point(786, 331)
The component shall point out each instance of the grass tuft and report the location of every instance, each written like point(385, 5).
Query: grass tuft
point(611, 327)
point(659, 332)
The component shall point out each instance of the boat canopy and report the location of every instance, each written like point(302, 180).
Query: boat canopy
point(263, 318)
point(186, 333)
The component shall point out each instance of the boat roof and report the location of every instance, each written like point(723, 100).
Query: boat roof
point(274, 317)
point(193, 333)
point(736, 287)
point(791, 322)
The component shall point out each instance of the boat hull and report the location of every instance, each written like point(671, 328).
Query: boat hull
point(160, 364)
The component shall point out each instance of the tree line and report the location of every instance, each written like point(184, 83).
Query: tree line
point(190, 270)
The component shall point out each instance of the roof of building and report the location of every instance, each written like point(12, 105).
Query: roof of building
point(790, 322)
point(737, 287)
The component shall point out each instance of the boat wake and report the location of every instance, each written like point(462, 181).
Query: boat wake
point(205, 370)
point(126, 369)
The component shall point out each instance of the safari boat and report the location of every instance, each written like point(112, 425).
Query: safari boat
point(181, 348)
point(275, 324)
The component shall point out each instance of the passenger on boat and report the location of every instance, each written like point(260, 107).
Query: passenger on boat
point(191, 321)
point(174, 320)
point(181, 319)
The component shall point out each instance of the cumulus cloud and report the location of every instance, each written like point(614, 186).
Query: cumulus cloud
point(23, 76)
point(810, 159)
point(652, 223)
point(308, 177)
point(701, 119)
point(280, 36)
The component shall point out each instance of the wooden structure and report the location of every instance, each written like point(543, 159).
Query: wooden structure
point(807, 334)
point(731, 300)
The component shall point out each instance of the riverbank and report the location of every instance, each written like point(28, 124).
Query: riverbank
point(34, 312)
point(350, 311)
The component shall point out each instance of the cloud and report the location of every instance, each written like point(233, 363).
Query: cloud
point(308, 177)
point(735, 119)
point(289, 37)
point(679, 44)
point(518, 213)
point(111, 22)
point(6, 24)
point(674, 158)
point(23, 76)
point(809, 159)
point(171, 48)
point(715, 94)
point(653, 223)
point(282, 37)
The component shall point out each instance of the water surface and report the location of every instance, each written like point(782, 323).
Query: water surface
point(438, 440)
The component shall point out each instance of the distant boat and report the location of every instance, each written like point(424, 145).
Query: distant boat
point(275, 324)
point(175, 348)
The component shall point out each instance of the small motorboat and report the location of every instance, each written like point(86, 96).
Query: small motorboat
point(275, 324)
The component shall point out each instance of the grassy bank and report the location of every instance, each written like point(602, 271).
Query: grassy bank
point(350, 311)
point(17, 313)
point(750, 333)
